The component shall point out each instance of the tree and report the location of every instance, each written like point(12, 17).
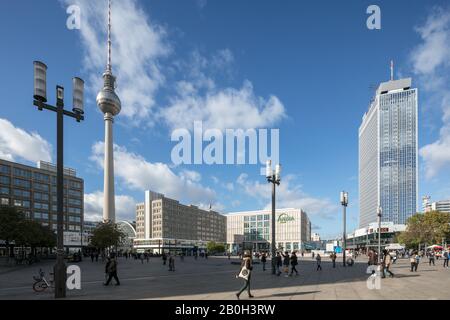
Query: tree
point(430, 227)
point(10, 220)
point(107, 235)
point(213, 247)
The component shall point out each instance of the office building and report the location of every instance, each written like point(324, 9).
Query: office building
point(164, 224)
point(441, 206)
point(33, 191)
point(388, 170)
point(292, 230)
point(315, 237)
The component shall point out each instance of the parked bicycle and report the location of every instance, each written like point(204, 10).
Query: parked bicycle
point(41, 283)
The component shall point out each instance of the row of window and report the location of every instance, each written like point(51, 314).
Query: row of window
point(259, 217)
point(27, 183)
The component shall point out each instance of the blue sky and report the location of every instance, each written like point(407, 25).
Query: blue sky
point(305, 67)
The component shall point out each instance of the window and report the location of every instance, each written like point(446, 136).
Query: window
point(74, 219)
point(22, 173)
point(266, 217)
point(4, 180)
point(42, 206)
point(75, 202)
point(22, 203)
point(74, 184)
point(74, 210)
point(4, 190)
point(22, 183)
point(44, 216)
point(4, 201)
point(74, 193)
point(41, 177)
point(37, 215)
point(41, 187)
point(5, 169)
point(21, 193)
point(41, 196)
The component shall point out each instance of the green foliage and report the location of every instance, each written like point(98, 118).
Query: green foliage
point(214, 247)
point(107, 235)
point(24, 232)
point(430, 228)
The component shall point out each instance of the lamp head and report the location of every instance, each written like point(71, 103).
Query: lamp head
point(40, 81)
point(269, 171)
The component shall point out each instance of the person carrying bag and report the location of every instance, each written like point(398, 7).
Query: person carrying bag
point(245, 273)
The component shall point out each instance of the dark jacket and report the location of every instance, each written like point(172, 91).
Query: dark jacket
point(111, 266)
point(286, 260)
point(263, 258)
point(294, 260)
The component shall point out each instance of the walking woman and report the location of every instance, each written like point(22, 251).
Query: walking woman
point(286, 263)
point(294, 263)
point(246, 274)
point(264, 260)
point(319, 262)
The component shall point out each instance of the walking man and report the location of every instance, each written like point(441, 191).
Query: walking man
point(294, 263)
point(92, 256)
point(319, 262)
point(417, 257)
point(164, 258)
point(431, 258)
point(111, 271)
point(333, 259)
point(446, 258)
point(171, 263)
point(246, 274)
point(278, 263)
point(263, 260)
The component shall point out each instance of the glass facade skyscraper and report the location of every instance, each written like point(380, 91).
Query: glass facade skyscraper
point(388, 154)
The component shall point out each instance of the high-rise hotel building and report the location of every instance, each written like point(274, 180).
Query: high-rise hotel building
point(164, 224)
point(388, 147)
point(33, 191)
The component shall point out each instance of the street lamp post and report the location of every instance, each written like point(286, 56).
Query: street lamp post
point(379, 212)
point(275, 179)
point(344, 203)
point(40, 99)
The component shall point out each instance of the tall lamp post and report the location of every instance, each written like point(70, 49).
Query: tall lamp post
point(275, 179)
point(344, 203)
point(379, 212)
point(40, 99)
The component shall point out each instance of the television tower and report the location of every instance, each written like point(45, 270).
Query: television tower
point(109, 104)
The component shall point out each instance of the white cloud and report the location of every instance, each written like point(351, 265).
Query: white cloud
point(93, 210)
point(198, 97)
point(139, 174)
point(138, 43)
point(18, 143)
point(431, 62)
point(222, 109)
point(288, 196)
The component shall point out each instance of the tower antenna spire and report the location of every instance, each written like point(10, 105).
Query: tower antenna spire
point(108, 65)
point(392, 70)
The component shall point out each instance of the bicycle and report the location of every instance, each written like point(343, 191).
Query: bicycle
point(41, 283)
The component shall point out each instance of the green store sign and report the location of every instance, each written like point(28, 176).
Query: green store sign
point(283, 218)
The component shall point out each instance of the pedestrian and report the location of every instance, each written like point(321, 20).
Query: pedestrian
point(431, 258)
point(229, 255)
point(312, 255)
point(147, 257)
point(164, 258)
point(387, 259)
point(319, 262)
point(206, 255)
point(278, 263)
point(171, 263)
point(111, 271)
point(264, 260)
point(286, 263)
point(246, 273)
point(417, 257)
point(412, 260)
point(446, 258)
point(294, 263)
point(92, 256)
point(333, 259)
point(96, 256)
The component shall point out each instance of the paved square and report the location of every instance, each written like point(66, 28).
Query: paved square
point(214, 279)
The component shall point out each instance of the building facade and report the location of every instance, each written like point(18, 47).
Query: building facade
point(367, 237)
point(292, 229)
point(164, 224)
point(388, 162)
point(33, 191)
point(315, 237)
point(441, 206)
